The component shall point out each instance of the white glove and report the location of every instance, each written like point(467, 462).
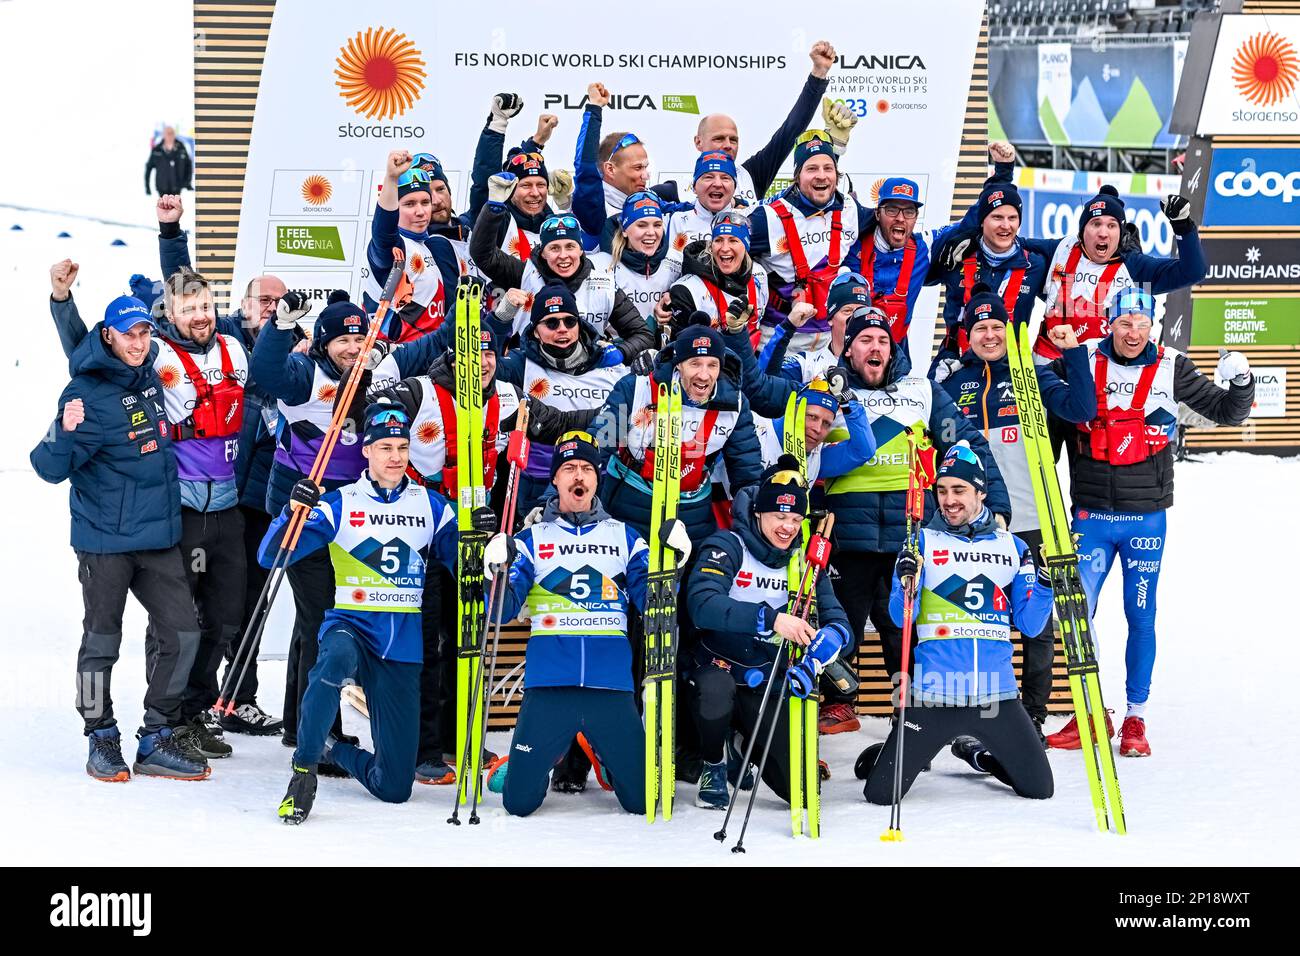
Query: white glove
point(840, 121)
point(499, 553)
point(944, 368)
point(501, 187)
point(505, 106)
point(561, 189)
point(534, 517)
point(1233, 367)
point(293, 307)
point(673, 534)
point(377, 355)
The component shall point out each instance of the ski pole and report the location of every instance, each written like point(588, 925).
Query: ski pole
point(257, 621)
point(517, 456)
point(762, 760)
point(915, 511)
point(721, 835)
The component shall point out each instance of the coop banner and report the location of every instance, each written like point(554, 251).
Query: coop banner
point(343, 84)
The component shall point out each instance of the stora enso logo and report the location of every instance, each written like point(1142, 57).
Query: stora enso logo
point(380, 73)
point(1265, 69)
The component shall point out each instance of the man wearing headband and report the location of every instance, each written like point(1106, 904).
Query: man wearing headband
point(381, 531)
point(737, 594)
point(1122, 478)
point(403, 216)
point(973, 582)
point(578, 571)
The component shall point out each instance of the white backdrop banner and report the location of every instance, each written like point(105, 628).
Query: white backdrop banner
point(344, 83)
point(1254, 87)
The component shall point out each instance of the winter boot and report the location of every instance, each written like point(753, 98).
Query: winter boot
point(496, 774)
point(866, 760)
point(1133, 738)
point(105, 762)
point(435, 773)
point(159, 755)
point(970, 749)
point(252, 720)
point(570, 774)
point(1067, 738)
point(212, 721)
point(298, 799)
point(713, 786)
point(602, 775)
point(194, 737)
point(837, 719)
point(735, 754)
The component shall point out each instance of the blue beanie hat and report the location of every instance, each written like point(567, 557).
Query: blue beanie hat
point(432, 165)
point(126, 312)
point(414, 180)
point(385, 420)
point(809, 148)
point(997, 196)
point(1105, 203)
point(817, 396)
point(788, 496)
point(553, 299)
point(714, 161)
point(642, 205)
point(868, 317)
point(730, 222)
point(899, 189)
point(559, 227)
point(340, 317)
point(961, 462)
point(524, 165)
point(575, 446)
point(984, 304)
point(847, 287)
point(695, 340)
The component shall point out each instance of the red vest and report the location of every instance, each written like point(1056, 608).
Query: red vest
point(219, 410)
point(491, 425)
point(1119, 435)
point(893, 304)
point(815, 284)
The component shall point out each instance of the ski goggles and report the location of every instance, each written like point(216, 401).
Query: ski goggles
point(850, 278)
point(413, 177)
point(560, 222)
point(628, 139)
point(553, 322)
point(390, 416)
point(788, 476)
point(1133, 301)
point(808, 135)
point(962, 453)
point(524, 159)
point(426, 161)
point(640, 205)
point(578, 435)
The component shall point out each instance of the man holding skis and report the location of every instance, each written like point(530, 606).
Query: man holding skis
point(578, 571)
point(381, 531)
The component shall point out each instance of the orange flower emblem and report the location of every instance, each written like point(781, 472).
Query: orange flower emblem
point(679, 242)
point(1265, 69)
point(317, 190)
point(417, 265)
point(643, 418)
point(170, 376)
point(875, 191)
point(428, 433)
point(326, 393)
point(380, 73)
point(539, 388)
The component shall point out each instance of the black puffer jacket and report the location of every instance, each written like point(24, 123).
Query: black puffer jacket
point(1148, 485)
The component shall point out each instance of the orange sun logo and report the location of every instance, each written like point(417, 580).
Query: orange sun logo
point(326, 393)
point(428, 433)
point(1265, 69)
point(875, 191)
point(417, 264)
point(679, 242)
point(539, 388)
point(643, 418)
point(380, 73)
point(317, 190)
point(170, 376)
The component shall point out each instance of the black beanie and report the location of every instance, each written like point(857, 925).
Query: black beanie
point(790, 497)
point(578, 446)
point(340, 317)
point(984, 304)
point(1105, 203)
point(868, 317)
point(698, 340)
point(997, 196)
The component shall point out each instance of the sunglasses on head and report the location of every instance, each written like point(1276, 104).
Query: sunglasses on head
point(964, 453)
point(807, 136)
point(567, 222)
point(413, 175)
point(524, 159)
point(849, 278)
point(730, 217)
point(390, 416)
point(789, 477)
point(577, 435)
point(555, 321)
point(629, 139)
point(426, 161)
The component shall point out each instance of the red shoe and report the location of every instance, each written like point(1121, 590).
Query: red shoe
point(596, 765)
point(823, 769)
point(1133, 738)
point(1067, 738)
point(837, 719)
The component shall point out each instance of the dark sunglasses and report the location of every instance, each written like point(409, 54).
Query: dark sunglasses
point(554, 322)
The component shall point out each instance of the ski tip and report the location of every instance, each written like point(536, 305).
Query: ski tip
point(892, 836)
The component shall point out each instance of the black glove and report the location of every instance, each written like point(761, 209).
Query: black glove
point(738, 315)
point(838, 383)
point(306, 493)
point(643, 363)
point(292, 307)
point(1130, 239)
point(953, 254)
point(544, 422)
point(1178, 211)
point(909, 564)
point(483, 519)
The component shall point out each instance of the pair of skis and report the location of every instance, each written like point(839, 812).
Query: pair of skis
point(1062, 561)
point(661, 608)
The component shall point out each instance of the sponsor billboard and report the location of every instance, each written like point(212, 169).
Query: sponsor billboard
point(1253, 187)
point(1245, 320)
point(1254, 78)
point(1273, 261)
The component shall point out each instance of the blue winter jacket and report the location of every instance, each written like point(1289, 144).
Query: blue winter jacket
point(627, 495)
point(125, 491)
point(740, 632)
point(598, 661)
point(972, 671)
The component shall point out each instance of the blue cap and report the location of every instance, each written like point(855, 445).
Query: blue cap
point(714, 162)
point(125, 312)
point(816, 395)
point(642, 205)
point(899, 189)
